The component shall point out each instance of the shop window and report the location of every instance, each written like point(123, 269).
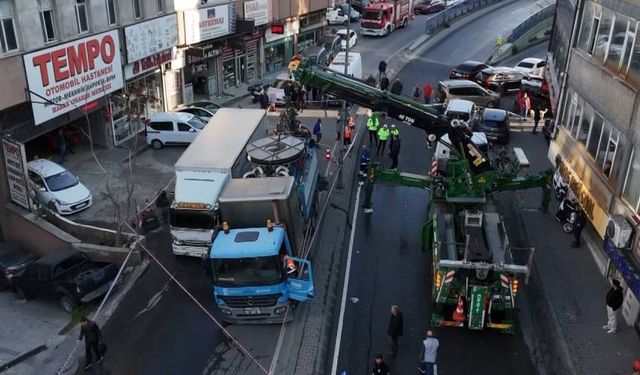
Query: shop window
point(229, 73)
point(112, 17)
point(604, 34)
point(275, 58)
point(137, 10)
point(81, 16)
point(160, 5)
point(631, 189)
point(585, 124)
point(616, 45)
point(47, 19)
point(596, 133)
point(8, 39)
point(589, 27)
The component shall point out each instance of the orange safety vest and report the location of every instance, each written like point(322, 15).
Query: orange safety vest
point(347, 132)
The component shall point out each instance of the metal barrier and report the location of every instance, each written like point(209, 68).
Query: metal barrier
point(443, 18)
point(532, 21)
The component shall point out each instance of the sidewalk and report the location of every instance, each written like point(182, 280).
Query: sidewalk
point(565, 308)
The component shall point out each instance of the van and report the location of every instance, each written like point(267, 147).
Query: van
point(172, 128)
point(468, 90)
point(354, 66)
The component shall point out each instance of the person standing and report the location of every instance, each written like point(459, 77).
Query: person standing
point(62, 146)
point(536, 118)
point(416, 93)
point(264, 100)
point(317, 131)
point(578, 226)
point(372, 124)
point(395, 328)
point(384, 83)
point(393, 131)
point(347, 135)
point(526, 105)
point(427, 91)
point(394, 147)
point(379, 367)
point(382, 70)
point(365, 159)
point(90, 331)
point(397, 87)
point(383, 136)
point(614, 301)
point(428, 354)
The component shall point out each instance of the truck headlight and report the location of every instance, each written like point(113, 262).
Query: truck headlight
point(176, 241)
point(280, 310)
point(226, 311)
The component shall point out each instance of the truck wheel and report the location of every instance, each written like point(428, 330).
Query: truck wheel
point(156, 144)
point(21, 293)
point(68, 304)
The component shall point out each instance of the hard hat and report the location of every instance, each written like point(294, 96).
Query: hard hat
point(636, 365)
point(393, 125)
point(385, 126)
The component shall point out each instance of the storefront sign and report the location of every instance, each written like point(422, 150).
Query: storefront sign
point(290, 28)
point(72, 74)
point(196, 55)
point(208, 23)
point(622, 261)
point(147, 64)
point(258, 10)
point(15, 166)
point(149, 38)
point(597, 215)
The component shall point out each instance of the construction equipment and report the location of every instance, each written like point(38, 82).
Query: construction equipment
point(474, 265)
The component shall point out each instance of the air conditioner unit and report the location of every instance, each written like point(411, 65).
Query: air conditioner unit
point(619, 231)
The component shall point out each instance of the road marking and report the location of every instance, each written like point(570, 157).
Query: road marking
point(333, 153)
point(345, 286)
point(153, 301)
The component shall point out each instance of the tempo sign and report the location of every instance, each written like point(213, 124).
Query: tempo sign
point(70, 75)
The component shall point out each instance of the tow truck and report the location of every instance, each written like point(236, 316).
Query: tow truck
point(476, 271)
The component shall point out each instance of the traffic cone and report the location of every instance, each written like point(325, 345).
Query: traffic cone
point(458, 315)
point(327, 155)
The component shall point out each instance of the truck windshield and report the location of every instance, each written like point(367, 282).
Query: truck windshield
point(372, 15)
point(192, 219)
point(254, 271)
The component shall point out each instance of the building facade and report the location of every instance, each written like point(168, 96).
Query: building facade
point(594, 75)
point(100, 68)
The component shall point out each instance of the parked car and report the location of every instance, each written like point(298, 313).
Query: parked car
point(353, 38)
point(317, 55)
point(332, 44)
point(531, 65)
point(12, 260)
point(500, 78)
point(275, 92)
point(467, 70)
point(57, 188)
point(464, 110)
point(494, 123)
point(465, 89)
point(429, 6)
point(172, 128)
point(67, 276)
point(338, 15)
point(535, 85)
point(203, 109)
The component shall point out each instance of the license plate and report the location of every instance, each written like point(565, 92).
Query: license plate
point(252, 310)
point(81, 205)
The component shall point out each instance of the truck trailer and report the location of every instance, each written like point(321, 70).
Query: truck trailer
point(203, 170)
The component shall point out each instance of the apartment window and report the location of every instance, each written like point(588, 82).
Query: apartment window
point(160, 6)
point(616, 45)
point(604, 34)
point(137, 10)
point(596, 134)
point(47, 19)
point(8, 38)
point(588, 27)
point(602, 147)
point(631, 189)
point(610, 150)
point(112, 18)
point(585, 124)
point(627, 49)
point(575, 122)
point(81, 16)
point(634, 65)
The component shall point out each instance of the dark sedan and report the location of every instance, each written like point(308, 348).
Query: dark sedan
point(428, 7)
point(495, 124)
point(12, 261)
point(467, 70)
point(500, 79)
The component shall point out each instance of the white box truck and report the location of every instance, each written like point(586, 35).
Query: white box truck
point(215, 156)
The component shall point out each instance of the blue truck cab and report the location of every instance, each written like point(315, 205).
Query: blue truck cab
point(251, 282)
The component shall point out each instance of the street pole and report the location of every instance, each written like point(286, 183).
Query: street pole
point(345, 122)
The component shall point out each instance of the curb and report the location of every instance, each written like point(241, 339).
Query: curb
point(22, 357)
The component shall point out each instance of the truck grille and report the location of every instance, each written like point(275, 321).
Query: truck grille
point(196, 243)
point(371, 25)
point(266, 300)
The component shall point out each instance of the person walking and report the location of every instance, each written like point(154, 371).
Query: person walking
point(526, 106)
point(382, 70)
point(395, 328)
point(373, 123)
point(394, 147)
point(393, 131)
point(346, 137)
point(427, 91)
point(383, 136)
point(62, 146)
point(428, 354)
point(317, 131)
point(614, 301)
point(416, 93)
point(379, 367)
point(397, 87)
point(578, 226)
point(90, 331)
point(536, 118)
point(365, 159)
point(384, 83)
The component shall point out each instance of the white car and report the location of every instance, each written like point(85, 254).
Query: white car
point(531, 65)
point(275, 92)
point(57, 188)
point(353, 38)
point(203, 109)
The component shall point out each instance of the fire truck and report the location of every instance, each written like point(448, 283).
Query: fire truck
point(381, 18)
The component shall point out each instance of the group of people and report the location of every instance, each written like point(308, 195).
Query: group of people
point(425, 92)
point(379, 135)
point(395, 330)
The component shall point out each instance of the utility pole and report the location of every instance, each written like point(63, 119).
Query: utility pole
point(345, 114)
